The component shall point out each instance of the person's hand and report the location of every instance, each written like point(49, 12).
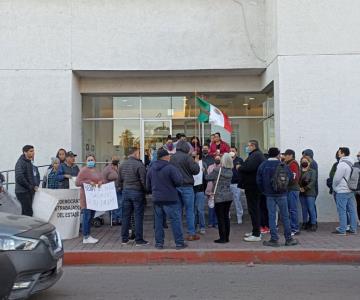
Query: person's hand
point(99, 184)
point(237, 167)
point(302, 190)
point(92, 183)
point(217, 152)
point(68, 176)
point(36, 188)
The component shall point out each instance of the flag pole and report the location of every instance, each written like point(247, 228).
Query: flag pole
point(195, 95)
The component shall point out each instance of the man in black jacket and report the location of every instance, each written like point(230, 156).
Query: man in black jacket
point(132, 181)
point(247, 181)
point(188, 168)
point(26, 182)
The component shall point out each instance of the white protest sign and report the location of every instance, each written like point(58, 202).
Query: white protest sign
point(101, 198)
point(60, 208)
point(72, 184)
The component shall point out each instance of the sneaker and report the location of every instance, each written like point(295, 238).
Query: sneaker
point(193, 237)
point(347, 229)
point(264, 230)
point(252, 239)
point(291, 242)
point(247, 234)
point(159, 247)
point(312, 228)
point(90, 240)
point(202, 231)
point(293, 233)
point(179, 247)
point(271, 243)
point(132, 237)
point(339, 233)
point(142, 243)
point(125, 242)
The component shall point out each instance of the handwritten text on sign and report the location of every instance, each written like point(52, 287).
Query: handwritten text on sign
point(101, 198)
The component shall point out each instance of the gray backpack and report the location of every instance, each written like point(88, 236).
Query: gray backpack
point(354, 180)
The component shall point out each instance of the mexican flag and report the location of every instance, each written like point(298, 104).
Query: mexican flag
point(211, 114)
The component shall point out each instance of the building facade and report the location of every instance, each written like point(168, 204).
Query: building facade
point(98, 76)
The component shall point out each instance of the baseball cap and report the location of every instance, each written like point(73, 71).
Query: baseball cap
point(70, 153)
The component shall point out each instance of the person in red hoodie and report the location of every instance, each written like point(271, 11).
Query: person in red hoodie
point(293, 190)
point(218, 146)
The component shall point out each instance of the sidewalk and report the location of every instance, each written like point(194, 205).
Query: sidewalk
point(316, 247)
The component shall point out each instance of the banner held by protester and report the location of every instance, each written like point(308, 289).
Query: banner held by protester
point(101, 198)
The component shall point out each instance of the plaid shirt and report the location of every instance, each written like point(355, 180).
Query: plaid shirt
point(52, 181)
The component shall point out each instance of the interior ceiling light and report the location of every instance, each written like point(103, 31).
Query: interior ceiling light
point(251, 98)
point(245, 104)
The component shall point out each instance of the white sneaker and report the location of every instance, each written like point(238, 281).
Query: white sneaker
point(90, 240)
point(247, 234)
point(252, 239)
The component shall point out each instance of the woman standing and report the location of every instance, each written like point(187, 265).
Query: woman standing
point(195, 143)
point(61, 155)
point(52, 177)
point(199, 192)
point(308, 194)
point(89, 175)
point(223, 196)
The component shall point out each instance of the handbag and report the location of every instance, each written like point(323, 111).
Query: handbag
point(211, 201)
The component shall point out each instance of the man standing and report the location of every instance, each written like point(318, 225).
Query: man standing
point(273, 179)
point(188, 168)
point(293, 190)
point(26, 180)
point(69, 169)
point(218, 146)
point(206, 158)
point(132, 181)
point(237, 161)
point(162, 180)
point(345, 199)
point(247, 181)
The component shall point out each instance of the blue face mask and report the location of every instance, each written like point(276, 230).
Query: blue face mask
point(247, 150)
point(90, 164)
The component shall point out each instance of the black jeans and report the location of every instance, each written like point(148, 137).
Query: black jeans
point(26, 200)
point(264, 215)
point(222, 213)
point(253, 203)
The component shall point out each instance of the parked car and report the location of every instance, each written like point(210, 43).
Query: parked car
point(33, 250)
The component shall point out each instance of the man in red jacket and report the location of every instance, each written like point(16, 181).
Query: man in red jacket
point(218, 146)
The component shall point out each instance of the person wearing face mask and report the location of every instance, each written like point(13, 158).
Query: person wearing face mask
point(206, 157)
point(169, 146)
point(247, 180)
point(89, 175)
point(212, 221)
point(307, 184)
point(111, 174)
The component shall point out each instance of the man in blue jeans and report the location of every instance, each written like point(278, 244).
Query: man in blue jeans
point(293, 190)
point(132, 181)
point(162, 180)
point(345, 198)
point(187, 166)
point(270, 177)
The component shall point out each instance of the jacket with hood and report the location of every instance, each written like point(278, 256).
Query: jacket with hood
point(25, 176)
point(314, 166)
point(162, 180)
point(247, 171)
point(223, 192)
point(342, 174)
point(185, 163)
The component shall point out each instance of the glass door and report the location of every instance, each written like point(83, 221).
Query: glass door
point(154, 135)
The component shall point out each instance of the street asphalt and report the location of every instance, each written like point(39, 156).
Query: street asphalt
point(211, 281)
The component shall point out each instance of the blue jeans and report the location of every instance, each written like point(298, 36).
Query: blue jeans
point(173, 213)
point(200, 209)
point(212, 217)
point(293, 199)
point(132, 200)
point(281, 202)
point(345, 203)
point(308, 208)
point(238, 206)
point(186, 194)
point(117, 213)
point(87, 215)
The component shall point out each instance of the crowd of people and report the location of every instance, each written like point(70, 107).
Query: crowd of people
point(184, 177)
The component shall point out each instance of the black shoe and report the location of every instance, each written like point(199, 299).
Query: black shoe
point(312, 228)
point(291, 242)
point(165, 226)
point(183, 246)
point(271, 243)
point(220, 241)
point(159, 247)
point(142, 243)
point(304, 226)
point(132, 237)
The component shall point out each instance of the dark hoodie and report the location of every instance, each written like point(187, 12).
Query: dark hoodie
point(314, 166)
point(162, 180)
point(185, 163)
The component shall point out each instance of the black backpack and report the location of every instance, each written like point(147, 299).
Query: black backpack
point(280, 179)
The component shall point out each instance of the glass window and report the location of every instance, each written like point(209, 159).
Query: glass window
point(126, 107)
point(156, 107)
point(97, 107)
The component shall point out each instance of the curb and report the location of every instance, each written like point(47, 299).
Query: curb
point(318, 256)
